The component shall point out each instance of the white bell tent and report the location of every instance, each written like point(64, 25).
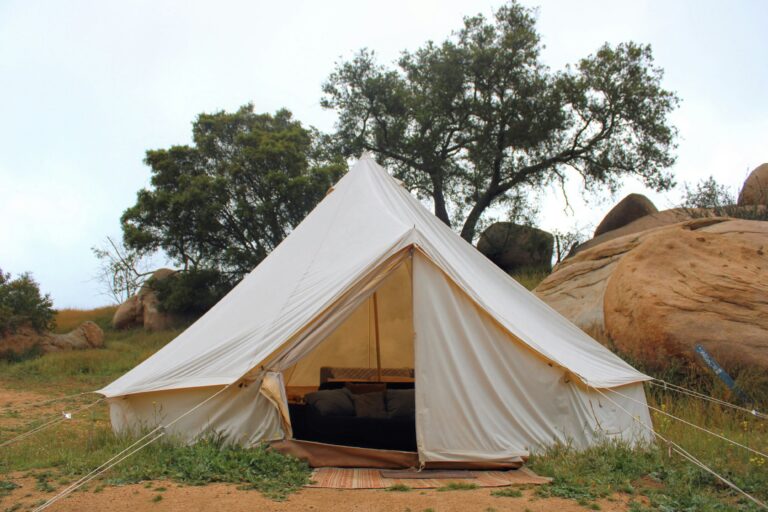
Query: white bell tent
point(372, 279)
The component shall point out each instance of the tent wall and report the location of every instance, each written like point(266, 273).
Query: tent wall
point(353, 343)
point(241, 415)
point(482, 395)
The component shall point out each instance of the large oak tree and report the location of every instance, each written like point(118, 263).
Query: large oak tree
point(224, 202)
point(479, 121)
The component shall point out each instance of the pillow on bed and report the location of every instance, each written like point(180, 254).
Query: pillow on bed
point(331, 402)
point(370, 405)
point(360, 388)
point(401, 403)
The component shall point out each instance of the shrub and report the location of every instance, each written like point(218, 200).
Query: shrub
point(22, 304)
point(190, 293)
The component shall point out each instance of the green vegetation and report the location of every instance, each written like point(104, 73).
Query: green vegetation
point(710, 198)
point(398, 488)
point(654, 478)
point(507, 492)
point(665, 480)
point(478, 121)
point(530, 278)
point(22, 304)
point(84, 370)
point(458, 486)
point(224, 202)
point(190, 293)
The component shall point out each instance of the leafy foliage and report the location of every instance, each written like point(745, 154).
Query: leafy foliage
point(22, 304)
point(228, 199)
point(192, 292)
point(708, 193)
point(710, 198)
point(478, 121)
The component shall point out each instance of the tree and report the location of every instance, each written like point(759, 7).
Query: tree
point(477, 120)
point(123, 271)
point(22, 305)
point(707, 193)
point(224, 202)
point(567, 241)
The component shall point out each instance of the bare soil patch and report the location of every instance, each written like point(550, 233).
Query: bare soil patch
point(175, 497)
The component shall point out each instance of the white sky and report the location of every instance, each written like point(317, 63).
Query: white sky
point(87, 87)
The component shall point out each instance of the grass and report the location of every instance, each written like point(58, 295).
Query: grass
point(666, 481)
point(530, 278)
point(507, 492)
point(398, 488)
point(652, 478)
point(89, 440)
point(68, 319)
point(458, 486)
point(84, 370)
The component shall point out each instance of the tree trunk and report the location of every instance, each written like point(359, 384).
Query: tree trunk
point(470, 224)
point(441, 212)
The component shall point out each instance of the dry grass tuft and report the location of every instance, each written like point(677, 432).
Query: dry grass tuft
point(68, 319)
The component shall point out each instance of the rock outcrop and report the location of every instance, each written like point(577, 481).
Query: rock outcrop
point(656, 293)
point(88, 335)
point(26, 340)
point(629, 209)
point(514, 247)
point(143, 309)
point(755, 188)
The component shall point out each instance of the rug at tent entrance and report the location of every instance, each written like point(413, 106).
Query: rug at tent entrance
point(357, 478)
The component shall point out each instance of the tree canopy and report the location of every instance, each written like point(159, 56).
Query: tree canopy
point(479, 121)
point(23, 305)
point(224, 202)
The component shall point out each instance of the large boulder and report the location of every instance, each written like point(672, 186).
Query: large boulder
point(755, 188)
point(629, 209)
point(644, 223)
point(88, 335)
point(26, 340)
point(129, 314)
point(514, 247)
point(655, 294)
point(143, 309)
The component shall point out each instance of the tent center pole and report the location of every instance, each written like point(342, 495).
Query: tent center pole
point(376, 335)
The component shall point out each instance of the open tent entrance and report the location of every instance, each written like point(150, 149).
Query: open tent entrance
point(356, 386)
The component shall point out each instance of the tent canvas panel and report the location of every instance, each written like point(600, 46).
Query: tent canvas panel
point(240, 414)
point(483, 395)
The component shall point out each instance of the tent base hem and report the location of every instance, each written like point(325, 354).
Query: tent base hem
point(319, 455)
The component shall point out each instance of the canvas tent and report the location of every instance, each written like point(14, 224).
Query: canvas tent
point(497, 372)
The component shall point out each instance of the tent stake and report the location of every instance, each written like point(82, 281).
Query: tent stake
point(376, 333)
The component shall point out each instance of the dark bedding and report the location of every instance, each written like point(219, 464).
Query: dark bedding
point(383, 420)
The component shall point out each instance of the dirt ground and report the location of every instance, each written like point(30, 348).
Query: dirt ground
point(141, 498)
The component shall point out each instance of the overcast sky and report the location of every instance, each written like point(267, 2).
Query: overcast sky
point(87, 87)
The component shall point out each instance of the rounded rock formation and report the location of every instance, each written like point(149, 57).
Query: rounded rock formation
point(513, 247)
point(629, 209)
point(755, 188)
point(26, 340)
point(655, 294)
point(87, 335)
point(143, 309)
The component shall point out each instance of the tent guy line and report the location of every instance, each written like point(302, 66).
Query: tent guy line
point(159, 431)
point(690, 458)
point(715, 434)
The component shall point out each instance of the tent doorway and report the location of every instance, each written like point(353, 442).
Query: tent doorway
point(356, 387)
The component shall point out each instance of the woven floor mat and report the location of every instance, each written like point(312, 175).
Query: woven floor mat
point(346, 478)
